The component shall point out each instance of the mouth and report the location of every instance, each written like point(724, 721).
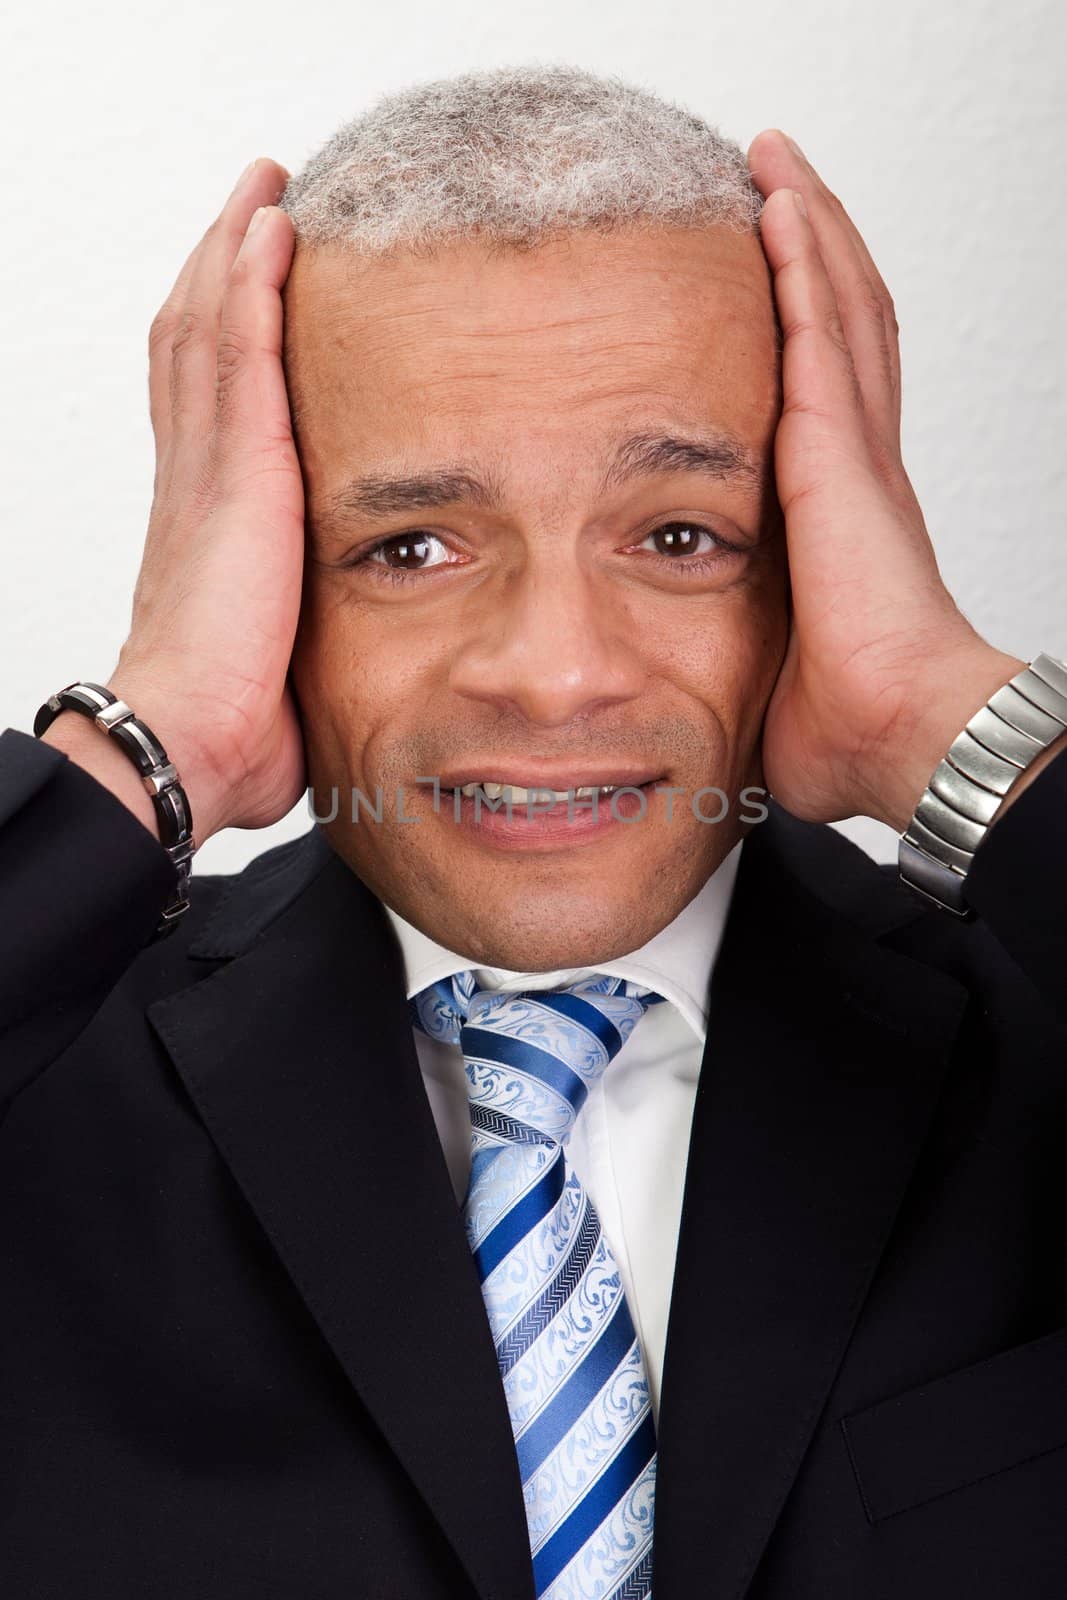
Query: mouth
point(520, 788)
point(517, 794)
point(504, 813)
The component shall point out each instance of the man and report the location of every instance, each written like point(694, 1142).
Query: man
point(566, 1170)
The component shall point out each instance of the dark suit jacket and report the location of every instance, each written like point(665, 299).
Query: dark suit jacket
point(243, 1351)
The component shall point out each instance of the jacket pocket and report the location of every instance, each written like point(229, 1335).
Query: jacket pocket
point(960, 1428)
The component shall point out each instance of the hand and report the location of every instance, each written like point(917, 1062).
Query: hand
point(217, 598)
point(882, 670)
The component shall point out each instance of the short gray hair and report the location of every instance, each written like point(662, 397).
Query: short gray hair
point(513, 155)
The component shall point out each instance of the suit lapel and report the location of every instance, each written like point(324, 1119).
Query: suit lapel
point(298, 1054)
point(824, 1060)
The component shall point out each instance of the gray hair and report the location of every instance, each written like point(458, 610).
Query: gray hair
point(513, 155)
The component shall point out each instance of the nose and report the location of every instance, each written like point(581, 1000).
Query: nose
point(555, 645)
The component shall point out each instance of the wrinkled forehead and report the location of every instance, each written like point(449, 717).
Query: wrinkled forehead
point(582, 332)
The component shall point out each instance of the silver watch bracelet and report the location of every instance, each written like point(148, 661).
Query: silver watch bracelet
point(970, 783)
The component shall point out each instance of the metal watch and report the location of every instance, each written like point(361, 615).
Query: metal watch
point(969, 784)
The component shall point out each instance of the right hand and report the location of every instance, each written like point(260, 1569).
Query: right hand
point(218, 595)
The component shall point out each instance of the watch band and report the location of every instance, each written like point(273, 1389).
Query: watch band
point(969, 784)
point(158, 773)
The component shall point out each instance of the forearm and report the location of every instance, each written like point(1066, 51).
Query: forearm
point(82, 885)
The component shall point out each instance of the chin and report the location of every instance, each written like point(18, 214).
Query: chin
point(521, 955)
point(550, 936)
point(534, 916)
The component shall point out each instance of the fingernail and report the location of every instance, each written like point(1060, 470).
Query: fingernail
point(799, 198)
point(797, 151)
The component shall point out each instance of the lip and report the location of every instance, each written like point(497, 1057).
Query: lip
point(559, 779)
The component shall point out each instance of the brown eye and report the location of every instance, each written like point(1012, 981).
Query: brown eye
point(408, 552)
point(680, 539)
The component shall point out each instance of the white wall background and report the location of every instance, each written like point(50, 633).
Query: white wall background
point(939, 125)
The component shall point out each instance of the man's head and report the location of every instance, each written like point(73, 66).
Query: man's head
point(533, 362)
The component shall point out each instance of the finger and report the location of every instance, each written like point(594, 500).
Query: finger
point(864, 302)
point(194, 352)
point(821, 433)
point(184, 333)
point(252, 433)
point(165, 325)
point(865, 305)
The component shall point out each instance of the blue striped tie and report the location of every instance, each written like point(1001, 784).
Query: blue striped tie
point(571, 1364)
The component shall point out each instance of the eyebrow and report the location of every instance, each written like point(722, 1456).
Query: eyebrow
point(714, 453)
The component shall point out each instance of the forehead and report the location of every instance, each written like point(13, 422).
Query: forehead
point(584, 332)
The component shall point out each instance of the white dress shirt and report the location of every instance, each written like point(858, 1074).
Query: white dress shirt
point(630, 1141)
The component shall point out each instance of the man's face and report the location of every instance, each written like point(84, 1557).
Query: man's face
point(514, 576)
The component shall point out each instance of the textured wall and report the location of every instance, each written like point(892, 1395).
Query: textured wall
point(939, 126)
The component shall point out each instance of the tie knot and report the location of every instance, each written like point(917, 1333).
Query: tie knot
point(531, 1056)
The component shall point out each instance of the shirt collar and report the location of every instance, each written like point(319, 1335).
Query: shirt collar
point(677, 962)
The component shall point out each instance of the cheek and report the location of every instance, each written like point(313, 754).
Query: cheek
point(723, 651)
point(361, 673)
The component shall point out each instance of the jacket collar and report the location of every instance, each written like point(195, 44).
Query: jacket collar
point(824, 1057)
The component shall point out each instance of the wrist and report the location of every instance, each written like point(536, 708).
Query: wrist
point(99, 756)
point(132, 737)
point(960, 690)
point(207, 795)
point(1003, 747)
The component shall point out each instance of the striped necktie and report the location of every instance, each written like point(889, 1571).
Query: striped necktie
point(569, 1357)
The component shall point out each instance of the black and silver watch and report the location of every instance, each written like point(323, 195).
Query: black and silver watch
point(968, 786)
point(158, 774)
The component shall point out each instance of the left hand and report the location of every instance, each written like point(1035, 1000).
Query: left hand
point(882, 669)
